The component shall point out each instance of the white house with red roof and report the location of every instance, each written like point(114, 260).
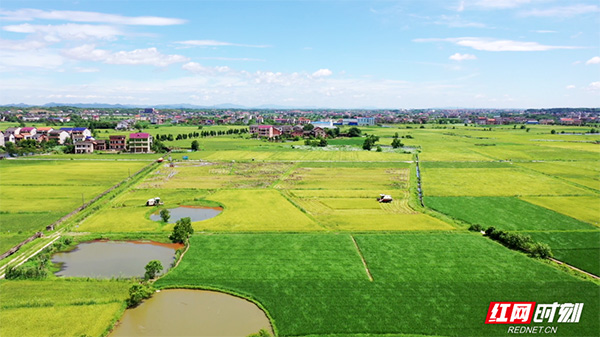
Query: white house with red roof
point(140, 142)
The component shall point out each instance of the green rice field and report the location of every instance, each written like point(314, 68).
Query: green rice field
point(302, 234)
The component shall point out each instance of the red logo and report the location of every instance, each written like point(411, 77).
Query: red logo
point(510, 313)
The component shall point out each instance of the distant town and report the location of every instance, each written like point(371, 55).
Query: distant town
point(75, 127)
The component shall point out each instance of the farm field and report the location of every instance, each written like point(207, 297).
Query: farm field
point(418, 281)
point(571, 240)
point(60, 307)
point(582, 208)
point(285, 237)
point(36, 193)
point(280, 196)
point(494, 182)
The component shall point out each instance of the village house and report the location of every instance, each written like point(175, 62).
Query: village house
point(303, 120)
point(99, 145)
point(297, 131)
point(1, 138)
point(78, 134)
point(117, 143)
point(9, 138)
point(12, 131)
point(84, 147)
point(59, 136)
point(27, 132)
point(140, 142)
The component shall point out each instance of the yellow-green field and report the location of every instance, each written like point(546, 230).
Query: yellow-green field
point(494, 182)
point(584, 208)
point(35, 193)
point(60, 307)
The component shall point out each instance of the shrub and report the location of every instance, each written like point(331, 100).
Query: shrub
point(165, 215)
point(540, 250)
point(152, 268)
point(137, 293)
point(476, 228)
point(182, 230)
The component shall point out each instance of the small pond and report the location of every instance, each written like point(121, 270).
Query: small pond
point(106, 259)
point(182, 312)
point(195, 213)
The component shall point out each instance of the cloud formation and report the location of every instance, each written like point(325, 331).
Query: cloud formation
point(81, 16)
point(593, 60)
point(490, 44)
point(69, 31)
point(462, 57)
point(322, 73)
point(149, 56)
point(213, 43)
point(562, 12)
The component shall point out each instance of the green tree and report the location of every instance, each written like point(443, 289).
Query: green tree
point(195, 145)
point(323, 142)
point(137, 293)
point(182, 230)
point(368, 144)
point(165, 215)
point(540, 250)
point(308, 127)
point(396, 143)
point(152, 268)
point(354, 132)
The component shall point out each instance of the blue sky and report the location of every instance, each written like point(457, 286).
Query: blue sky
point(336, 54)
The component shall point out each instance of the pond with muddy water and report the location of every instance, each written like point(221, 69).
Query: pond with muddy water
point(195, 213)
point(184, 312)
point(106, 259)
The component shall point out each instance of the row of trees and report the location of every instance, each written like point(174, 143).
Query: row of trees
point(516, 241)
point(202, 134)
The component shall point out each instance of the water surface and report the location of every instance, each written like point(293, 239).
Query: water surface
point(106, 259)
point(195, 213)
point(182, 312)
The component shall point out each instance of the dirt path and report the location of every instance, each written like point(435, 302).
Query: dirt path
point(362, 258)
point(575, 268)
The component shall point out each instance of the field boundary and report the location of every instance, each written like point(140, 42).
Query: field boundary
point(362, 258)
point(574, 268)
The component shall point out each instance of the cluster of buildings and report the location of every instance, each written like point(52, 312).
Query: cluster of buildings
point(318, 130)
point(82, 139)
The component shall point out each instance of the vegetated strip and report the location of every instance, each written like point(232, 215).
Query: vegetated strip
point(58, 233)
point(574, 268)
point(3, 269)
point(362, 258)
point(80, 208)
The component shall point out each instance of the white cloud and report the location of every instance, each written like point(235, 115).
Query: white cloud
point(80, 16)
point(501, 4)
point(461, 6)
point(322, 73)
point(213, 43)
point(462, 57)
point(594, 86)
point(570, 86)
point(593, 60)
point(28, 45)
point(86, 70)
point(197, 68)
point(490, 44)
point(541, 31)
point(149, 56)
point(563, 12)
point(21, 59)
point(70, 31)
point(456, 22)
